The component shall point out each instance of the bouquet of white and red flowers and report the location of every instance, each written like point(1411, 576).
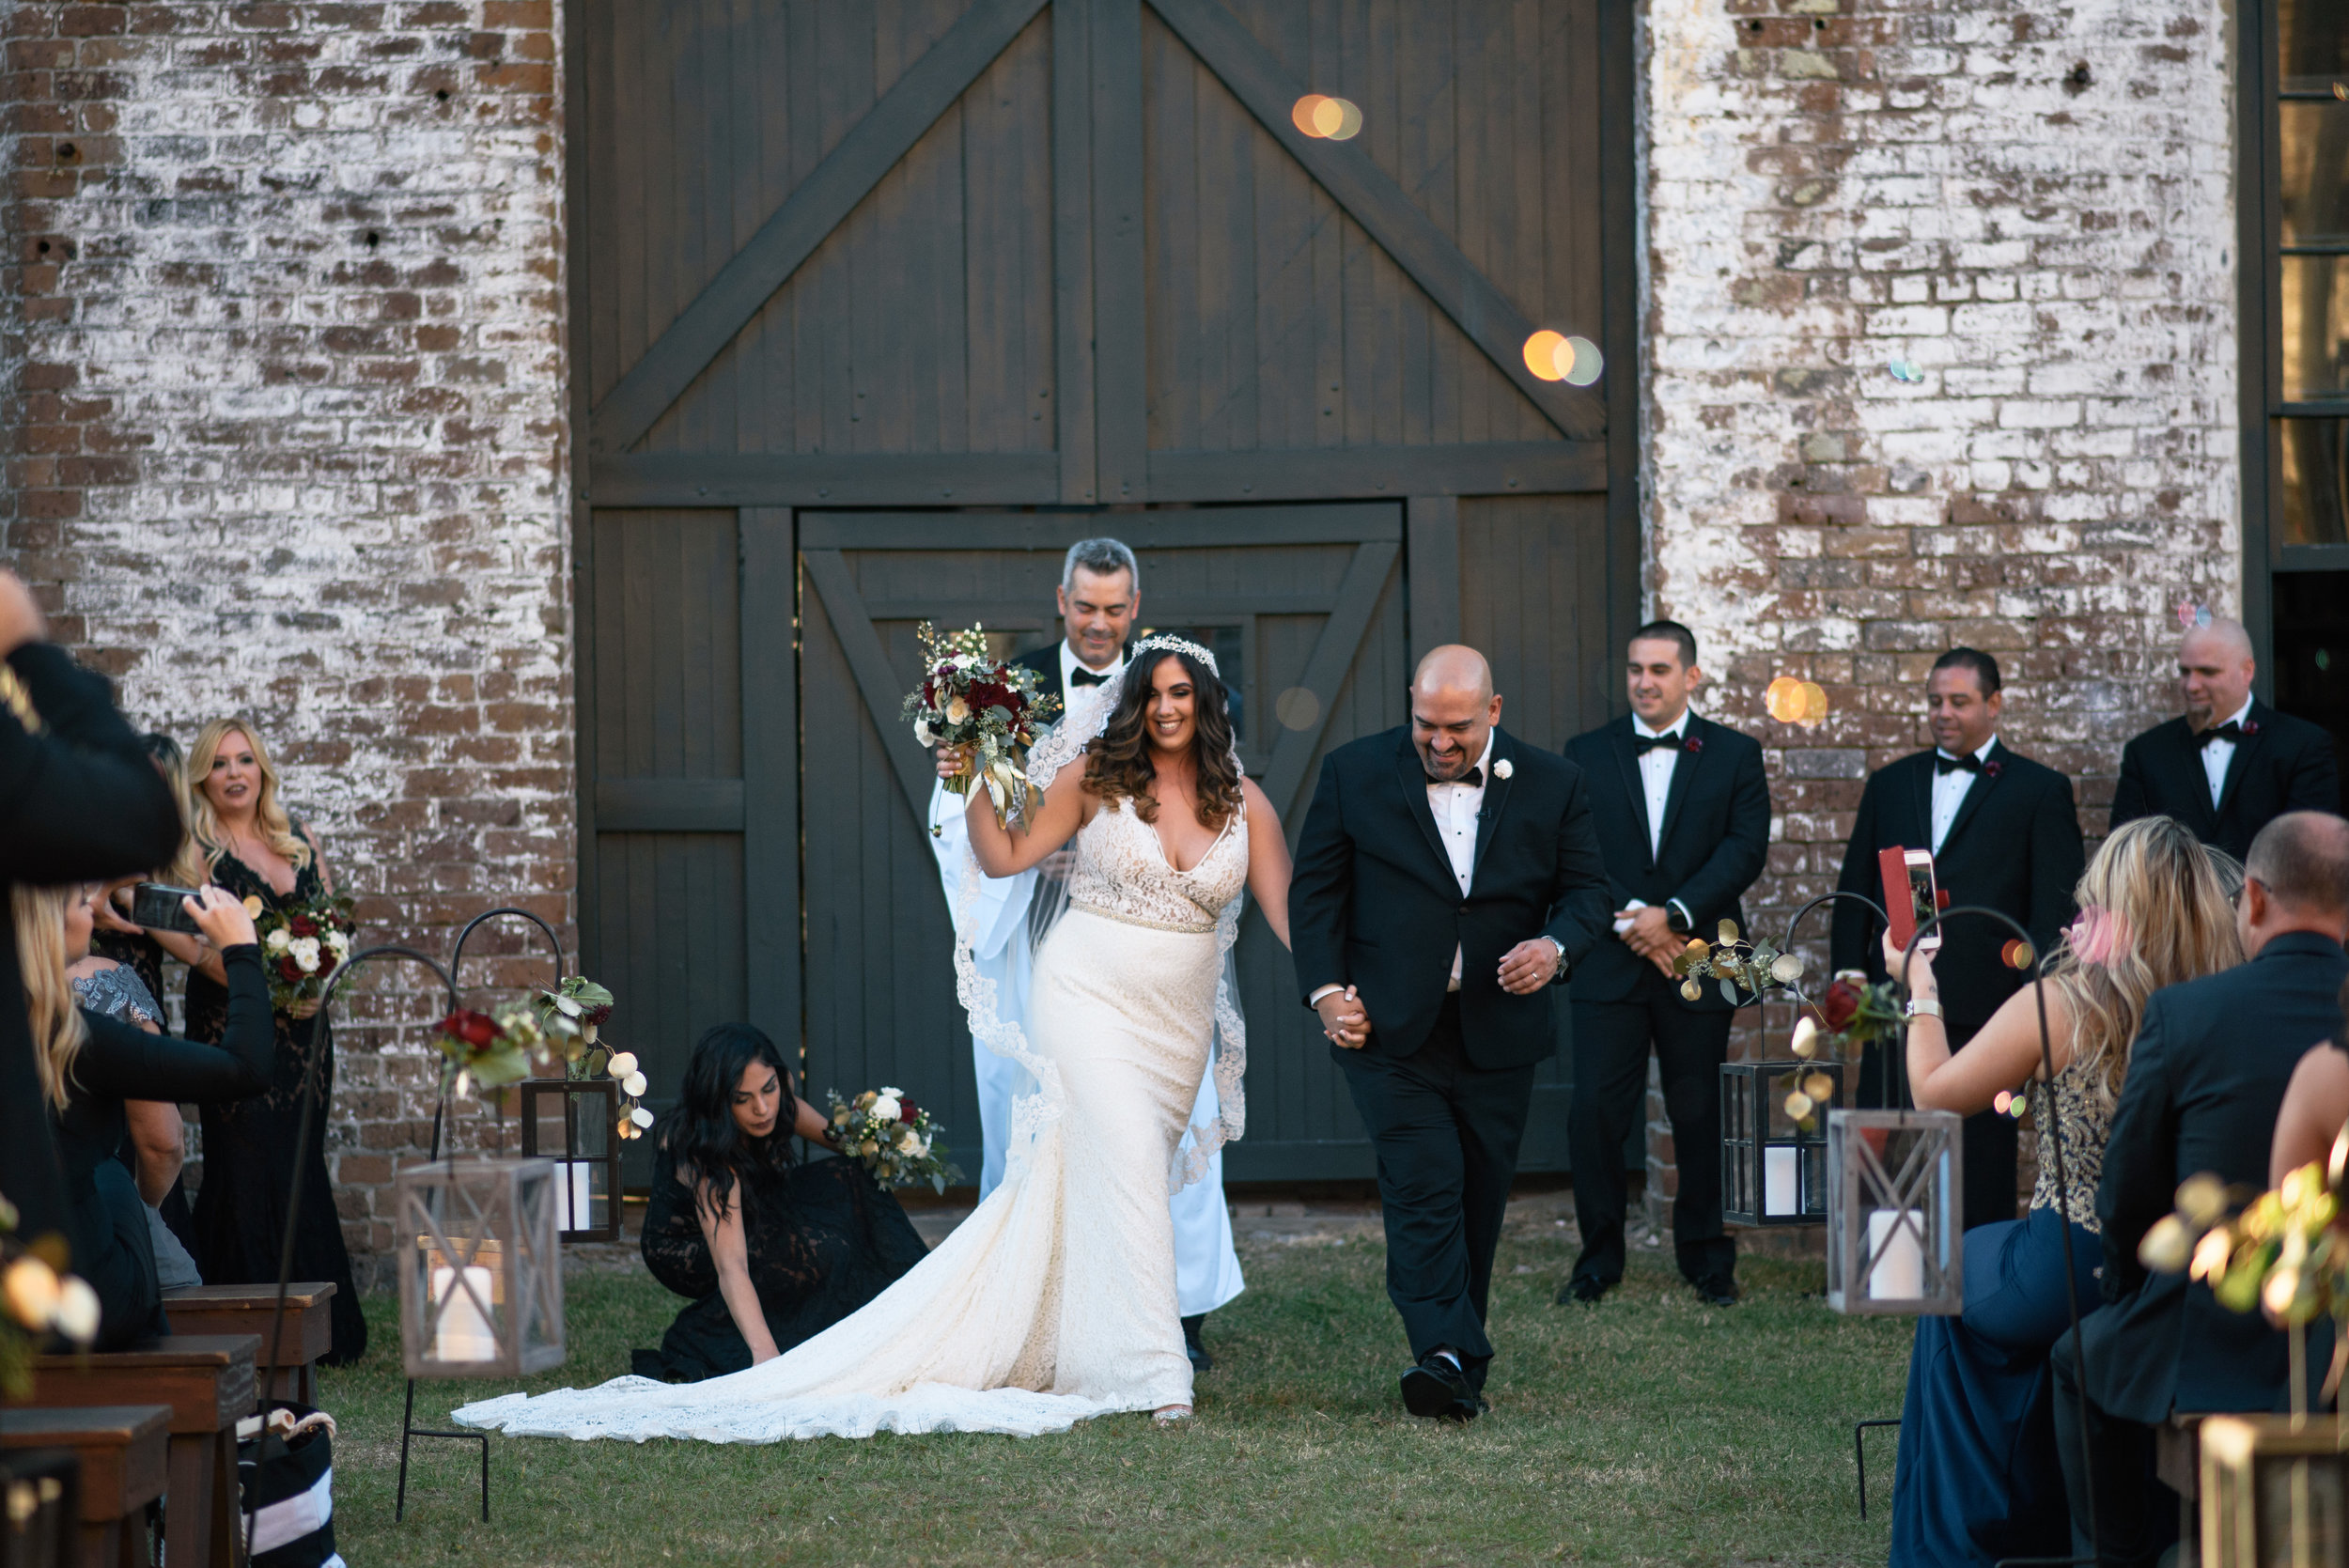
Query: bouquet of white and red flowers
point(302, 945)
point(969, 698)
point(896, 1140)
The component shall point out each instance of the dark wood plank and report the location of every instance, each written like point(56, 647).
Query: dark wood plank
point(1341, 636)
point(1120, 332)
point(770, 772)
point(309, 1326)
point(1339, 524)
point(1373, 199)
point(205, 1381)
point(123, 1449)
point(1433, 567)
point(670, 805)
point(880, 686)
point(641, 479)
point(812, 210)
point(1500, 468)
point(1072, 248)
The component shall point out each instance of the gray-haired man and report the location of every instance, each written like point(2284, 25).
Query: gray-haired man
point(1100, 597)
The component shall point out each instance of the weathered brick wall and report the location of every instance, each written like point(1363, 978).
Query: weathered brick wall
point(284, 407)
point(2033, 204)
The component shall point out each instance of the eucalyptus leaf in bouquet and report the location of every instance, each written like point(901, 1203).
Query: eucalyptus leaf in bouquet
point(896, 1140)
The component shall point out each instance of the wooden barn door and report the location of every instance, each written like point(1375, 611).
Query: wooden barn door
point(877, 306)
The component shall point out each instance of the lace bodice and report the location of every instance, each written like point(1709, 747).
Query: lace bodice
point(2087, 1128)
point(1122, 871)
point(119, 993)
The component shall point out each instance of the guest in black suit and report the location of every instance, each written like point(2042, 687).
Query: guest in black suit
point(2229, 765)
point(1683, 815)
point(2206, 1077)
point(1447, 876)
point(2004, 836)
point(78, 802)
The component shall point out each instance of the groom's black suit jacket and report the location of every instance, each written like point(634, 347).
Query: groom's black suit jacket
point(2015, 846)
point(2281, 764)
point(1373, 903)
point(1716, 838)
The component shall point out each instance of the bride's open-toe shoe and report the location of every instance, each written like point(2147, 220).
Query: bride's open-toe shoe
point(1170, 1415)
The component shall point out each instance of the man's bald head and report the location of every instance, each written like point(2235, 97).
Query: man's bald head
point(2215, 670)
point(1454, 667)
point(2295, 878)
point(1453, 711)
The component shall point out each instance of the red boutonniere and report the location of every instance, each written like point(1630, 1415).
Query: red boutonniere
point(1692, 745)
point(2250, 726)
point(1992, 770)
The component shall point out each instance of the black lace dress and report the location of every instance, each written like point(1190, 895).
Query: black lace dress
point(823, 1239)
point(249, 1154)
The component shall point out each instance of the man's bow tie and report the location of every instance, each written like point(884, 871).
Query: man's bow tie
point(2228, 731)
point(1082, 677)
point(1941, 764)
point(1642, 744)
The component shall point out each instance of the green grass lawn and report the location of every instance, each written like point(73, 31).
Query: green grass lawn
point(1650, 1429)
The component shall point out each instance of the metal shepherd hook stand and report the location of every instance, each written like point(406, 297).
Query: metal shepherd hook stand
point(408, 1430)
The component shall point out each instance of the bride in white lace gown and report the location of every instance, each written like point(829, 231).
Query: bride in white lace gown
point(1056, 1300)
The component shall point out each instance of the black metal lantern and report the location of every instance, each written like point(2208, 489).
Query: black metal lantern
point(573, 1121)
point(1774, 1162)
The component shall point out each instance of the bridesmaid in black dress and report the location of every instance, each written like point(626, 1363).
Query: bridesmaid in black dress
point(256, 851)
point(773, 1251)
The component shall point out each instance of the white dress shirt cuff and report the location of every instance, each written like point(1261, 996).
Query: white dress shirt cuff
point(1686, 913)
point(1314, 999)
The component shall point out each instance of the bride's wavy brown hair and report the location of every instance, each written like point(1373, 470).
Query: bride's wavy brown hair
point(1117, 761)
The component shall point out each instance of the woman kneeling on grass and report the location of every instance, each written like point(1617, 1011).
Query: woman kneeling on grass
point(772, 1251)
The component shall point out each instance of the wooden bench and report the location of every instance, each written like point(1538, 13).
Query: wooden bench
point(308, 1333)
point(206, 1384)
point(124, 1455)
point(43, 1492)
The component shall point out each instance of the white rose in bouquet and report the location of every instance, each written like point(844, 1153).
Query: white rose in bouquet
point(304, 951)
point(886, 1108)
point(959, 711)
point(910, 1144)
point(277, 939)
point(340, 944)
point(923, 733)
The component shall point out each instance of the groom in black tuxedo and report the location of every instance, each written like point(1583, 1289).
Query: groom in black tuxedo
point(1684, 815)
point(2004, 836)
point(1447, 876)
point(2229, 765)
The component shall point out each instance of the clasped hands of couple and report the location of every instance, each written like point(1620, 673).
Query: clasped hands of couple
point(1524, 970)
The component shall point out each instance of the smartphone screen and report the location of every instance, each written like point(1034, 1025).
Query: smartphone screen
point(1922, 902)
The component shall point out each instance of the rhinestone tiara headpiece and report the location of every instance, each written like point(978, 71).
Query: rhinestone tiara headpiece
point(1173, 644)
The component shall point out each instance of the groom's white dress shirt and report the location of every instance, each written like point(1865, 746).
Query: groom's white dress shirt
point(1949, 790)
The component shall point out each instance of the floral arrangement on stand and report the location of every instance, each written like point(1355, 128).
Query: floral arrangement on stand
point(896, 1140)
point(2284, 1254)
point(1848, 1016)
point(303, 945)
point(969, 698)
point(574, 1013)
point(37, 1297)
point(490, 1050)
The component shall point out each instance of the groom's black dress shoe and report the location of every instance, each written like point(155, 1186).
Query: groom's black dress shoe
point(1718, 1290)
point(1200, 1360)
point(1440, 1391)
point(1584, 1288)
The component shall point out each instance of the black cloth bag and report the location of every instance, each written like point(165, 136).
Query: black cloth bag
point(287, 1493)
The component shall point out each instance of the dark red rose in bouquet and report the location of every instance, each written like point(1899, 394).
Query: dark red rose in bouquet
point(303, 925)
point(477, 1029)
point(290, 972)
point(907, 1112)
point(1840, 1005)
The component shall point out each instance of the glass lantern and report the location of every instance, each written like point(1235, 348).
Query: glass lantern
point(481, 1281)
point(1894, 1227)
point(571, 1121)
point(1774, 1170)
point(2274, 1496)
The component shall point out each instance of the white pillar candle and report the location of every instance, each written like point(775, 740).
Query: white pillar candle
point(1779, 1184)
point(462, 1332)
point(581, 1195)
point(1899, 1272)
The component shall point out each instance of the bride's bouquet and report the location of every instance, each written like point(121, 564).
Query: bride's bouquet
point(969, 698)
point(896, 1140)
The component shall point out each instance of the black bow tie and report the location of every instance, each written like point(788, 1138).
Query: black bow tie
point(2228, 731)
point(1082, 677)
point(1941, 764)
point(1642, 744)
point(1474, 779)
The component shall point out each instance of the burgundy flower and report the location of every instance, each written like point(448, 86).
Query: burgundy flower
point(478, 1030)
point(598, 1016)
point(1992, 769)
point(907, 1112)
point(2250, 726)
point(290, 972)
point(303, 925)
point(1692, 745)
point(1840, 1006)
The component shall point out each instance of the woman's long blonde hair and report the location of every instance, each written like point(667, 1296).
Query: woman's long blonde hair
point(268, 816)
point(49, 1005)
point(2167, 918)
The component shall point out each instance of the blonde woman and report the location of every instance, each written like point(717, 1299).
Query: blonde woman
point(92, 1065)
point(1977, 1478)
point(251, 847)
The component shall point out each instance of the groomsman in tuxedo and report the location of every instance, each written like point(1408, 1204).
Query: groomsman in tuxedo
point(2004, 836)
point(1447, 876)
point(1683, 814)
point(2230, 763)
point(1098, 597)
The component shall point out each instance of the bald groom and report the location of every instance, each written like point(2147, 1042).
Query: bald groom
point(1448, 875)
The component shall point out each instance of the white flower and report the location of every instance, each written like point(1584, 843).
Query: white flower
point(340, 944)
point(622, 1063)
point(885, 1109)
point(77, 1311)
point(893, 1094)
point(305, 953)
point(632, 1085)
point(910, 1144)
point(923, 733)
point(958, 712)
point(32, 1291)
point(1503, 768)
point(642, 1117)
point(277, 939)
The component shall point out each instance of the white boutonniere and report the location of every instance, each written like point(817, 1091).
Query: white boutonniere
point(1503, 768)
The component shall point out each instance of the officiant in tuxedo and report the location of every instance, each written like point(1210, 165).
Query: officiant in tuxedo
point(1683, 813)
point(1097, 599)
point(2229, 765)
point(2004, 836)
point(1447, 876)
